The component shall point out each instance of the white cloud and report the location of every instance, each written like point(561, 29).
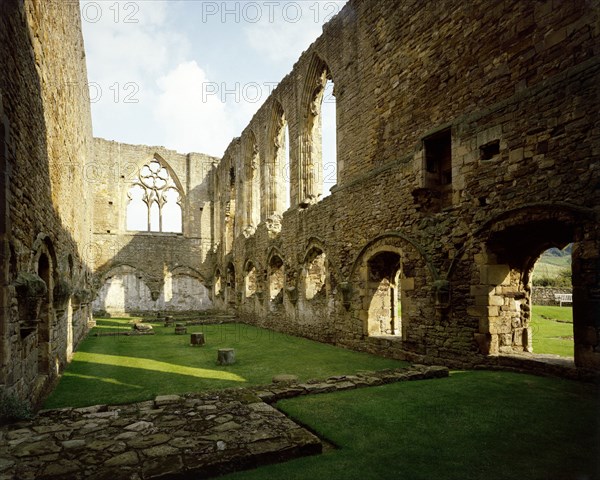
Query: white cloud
point(192, 118)
point(128, 45)
point(129, 38)
point(142, 52)
point(285, 31)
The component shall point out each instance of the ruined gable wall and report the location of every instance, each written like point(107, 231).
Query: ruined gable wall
point(149, 258)
point(48, 125)
point(521, 74)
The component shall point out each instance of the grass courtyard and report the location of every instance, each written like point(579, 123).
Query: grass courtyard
point(472, 425)
point(552, 330)
point(126, 369)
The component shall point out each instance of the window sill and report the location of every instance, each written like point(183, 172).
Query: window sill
point(153, 234)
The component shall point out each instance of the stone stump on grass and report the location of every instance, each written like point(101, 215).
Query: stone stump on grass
point(180, 329)
point(197, 339)
point(142, 327)
point(226, 356)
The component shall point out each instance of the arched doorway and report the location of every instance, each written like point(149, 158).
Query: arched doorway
point(511, 247)
point(552, 303)
point(392, 291)
point(383, 288)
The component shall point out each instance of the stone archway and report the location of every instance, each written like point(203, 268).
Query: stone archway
point(390, 275)
point(383, 287)
point(124, 289)
point(508, 251)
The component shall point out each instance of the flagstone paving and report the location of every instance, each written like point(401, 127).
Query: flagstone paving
point(175, 435)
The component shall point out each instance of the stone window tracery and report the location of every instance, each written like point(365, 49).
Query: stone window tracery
point(154, 201)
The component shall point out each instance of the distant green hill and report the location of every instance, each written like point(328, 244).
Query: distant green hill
point(552, 263)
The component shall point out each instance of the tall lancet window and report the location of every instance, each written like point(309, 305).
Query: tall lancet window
point(154, 201)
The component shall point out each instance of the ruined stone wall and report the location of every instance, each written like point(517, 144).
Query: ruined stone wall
point(148, 271)
point(46, 215)
point(468, 142)
point(545, 295)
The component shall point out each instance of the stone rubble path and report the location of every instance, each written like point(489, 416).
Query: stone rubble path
point(202, 435)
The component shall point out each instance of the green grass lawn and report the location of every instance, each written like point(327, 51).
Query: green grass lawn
point(552, 330)
point(473, 425)
point(128, 369)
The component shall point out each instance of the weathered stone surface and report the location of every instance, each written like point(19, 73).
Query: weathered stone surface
point(46, 204)
point(103, 414)
point(435, 193)
point(226, 356)
point(162, 400)
point(320, 387)
point(142, 327)
point(226, 427)
point(236, 432)
point(160, 451)
point(126, 435)
point(285, 378)
point(125, 458)
point(145, 441)
point(71, 444)
point(180, 330)
point(100, 444)
point(6, 463)
point(62, 467)
point(157, 467)
point(19, 434)
point(35, 448)
point(345, 385)
point(139, 426)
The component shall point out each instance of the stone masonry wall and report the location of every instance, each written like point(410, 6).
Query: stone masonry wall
point(545, 295)
point(146, 268)
point(468, 142)
point(46, 216)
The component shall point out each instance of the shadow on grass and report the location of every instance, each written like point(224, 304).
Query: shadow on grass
point(473, 425)
point(102, 380)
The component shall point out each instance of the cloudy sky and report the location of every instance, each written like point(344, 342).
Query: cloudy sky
point(189, 74)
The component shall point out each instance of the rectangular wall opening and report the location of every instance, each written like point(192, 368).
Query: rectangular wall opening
point(438, 165)
point(490, 151)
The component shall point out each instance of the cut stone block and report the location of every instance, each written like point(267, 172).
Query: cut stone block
point(226, 356)
point(197, 339)
point(142, 327)
point(284, 378)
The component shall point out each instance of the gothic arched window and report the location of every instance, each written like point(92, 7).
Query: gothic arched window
point(154, 201)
